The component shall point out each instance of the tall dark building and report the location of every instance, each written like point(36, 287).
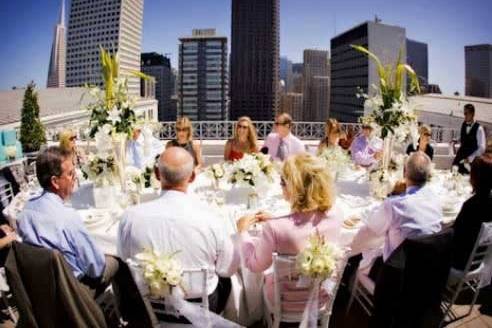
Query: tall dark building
point(203, 79)
point(478, 70)
point(159, 67)
point(351, 70)
point(418, 58)
point(316, 77)
point(255, 59)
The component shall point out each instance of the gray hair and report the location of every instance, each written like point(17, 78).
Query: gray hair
point(175, 175)
point(418, 168)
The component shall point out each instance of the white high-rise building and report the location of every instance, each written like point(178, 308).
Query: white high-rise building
point(56, 70)
point(112, 24)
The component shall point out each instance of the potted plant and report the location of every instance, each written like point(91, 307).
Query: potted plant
point(32, 133)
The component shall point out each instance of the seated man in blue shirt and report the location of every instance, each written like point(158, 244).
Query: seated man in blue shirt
point(47, 222)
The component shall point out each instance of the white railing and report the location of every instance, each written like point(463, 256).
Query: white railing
point(223, 130)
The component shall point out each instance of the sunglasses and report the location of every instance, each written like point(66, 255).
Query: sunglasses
point(73, 138)
point(427, 134)
point(282, 182)
point(280, 123)
point(182, 129)
point(242, 127)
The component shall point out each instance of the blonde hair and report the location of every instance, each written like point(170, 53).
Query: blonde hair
point(185, 123)
point(309, 183)
point(64, 138)
point(251, 132)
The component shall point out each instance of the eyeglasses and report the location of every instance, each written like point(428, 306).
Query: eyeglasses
point(242, 127)
point(282, 182)
point(181, 129)
point(280, 123)
point(72, 138)
point(427, 134)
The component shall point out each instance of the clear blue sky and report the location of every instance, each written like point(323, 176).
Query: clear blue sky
point(26, 30)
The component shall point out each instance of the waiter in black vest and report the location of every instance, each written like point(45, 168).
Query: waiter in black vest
point(472, 141)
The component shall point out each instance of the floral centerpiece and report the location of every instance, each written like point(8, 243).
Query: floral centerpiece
point(100, 170)
point(112, 111)
point(161, 272)
point(337, 160)
point(389, 111)
point(251, 169)
point(216, 172)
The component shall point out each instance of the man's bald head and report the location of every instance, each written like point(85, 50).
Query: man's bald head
point(175, 167)
point(418, 168)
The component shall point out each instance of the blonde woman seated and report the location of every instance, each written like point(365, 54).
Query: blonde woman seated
point(184, 139)
point(308, 187)
point(68, 143)
point(244, 141)
point(333, 132)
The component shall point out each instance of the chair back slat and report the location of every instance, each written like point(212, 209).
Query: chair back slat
point(482, 249)
point(6, 193)
point(191, 278)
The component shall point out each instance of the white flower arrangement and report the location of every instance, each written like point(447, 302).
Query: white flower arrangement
point(101, 170)
point(112, 106)
point(250, 170)
point(318, 260)
point(380, 183)
point(216, 172)
point(11, 152)
point(134, 179)
point(336, 159)
point(161, 272)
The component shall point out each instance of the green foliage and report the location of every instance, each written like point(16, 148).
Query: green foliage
point(32, 133)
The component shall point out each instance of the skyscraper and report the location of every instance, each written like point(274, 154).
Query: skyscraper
point(417, 57)
point(286, 72)
point(316, 85)
point(297, 82)
point(478, 70)
point(292, 103)
point(202, 77)
point(56, 70)
point(255, 59)
point(112, 24)
point(351, 69)
point(159, 67)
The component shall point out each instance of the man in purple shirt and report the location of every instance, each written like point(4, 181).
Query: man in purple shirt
point(282, 143)
point(365, 150)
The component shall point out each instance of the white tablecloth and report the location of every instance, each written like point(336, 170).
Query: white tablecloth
point(245, 304)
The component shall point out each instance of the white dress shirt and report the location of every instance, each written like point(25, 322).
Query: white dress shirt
point(481, 142)
point(178, 222)
point(415, 213)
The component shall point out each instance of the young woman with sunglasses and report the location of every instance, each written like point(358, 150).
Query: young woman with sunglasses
point(184, 139)
point(68, 143)
point(423, 143)
point(244, 141)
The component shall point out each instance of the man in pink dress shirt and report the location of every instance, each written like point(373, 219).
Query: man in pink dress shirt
point(282, 143)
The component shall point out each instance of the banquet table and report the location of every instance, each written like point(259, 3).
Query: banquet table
point(230, 203)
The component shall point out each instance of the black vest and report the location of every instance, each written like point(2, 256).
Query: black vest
point(469, 142)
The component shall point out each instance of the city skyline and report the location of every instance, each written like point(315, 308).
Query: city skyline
point(28, 25)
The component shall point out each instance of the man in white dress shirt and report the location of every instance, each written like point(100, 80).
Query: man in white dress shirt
point(413, 210)
point(282, 143)
point(177, 222)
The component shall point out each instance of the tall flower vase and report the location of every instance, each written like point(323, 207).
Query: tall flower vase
point(387, 151)
point(119, 149)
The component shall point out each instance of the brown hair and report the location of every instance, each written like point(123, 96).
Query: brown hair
point(481, 175)
point(331, 127)
point(49, 164)
point(285, 118)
